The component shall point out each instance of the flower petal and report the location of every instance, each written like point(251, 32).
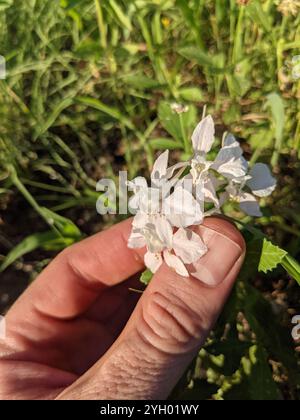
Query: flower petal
point(230, 149)
point(182, 209)
point(153, 241)
point(250, 205)
point(204, 135)
point(149, 200)
point(160, 168)
point(164, 231)
point(262, 183)
point(137, 184)
point(175, 263)
point(134, 202)
point(188, 246)
point(209, 191)
point(136, 240)
point(232, 169)
point(174, 168)
point(153, 261)
point(140, 220)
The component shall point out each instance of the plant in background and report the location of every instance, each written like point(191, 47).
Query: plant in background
point(289, 7)
point(88, 92)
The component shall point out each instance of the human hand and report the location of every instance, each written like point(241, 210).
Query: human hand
point(68, 335)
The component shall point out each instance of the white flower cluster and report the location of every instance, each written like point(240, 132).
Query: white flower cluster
point(181, 196)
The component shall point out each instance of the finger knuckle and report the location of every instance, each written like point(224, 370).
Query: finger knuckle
point(172, 324)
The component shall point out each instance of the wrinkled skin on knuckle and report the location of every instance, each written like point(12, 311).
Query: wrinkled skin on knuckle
point(171, 324)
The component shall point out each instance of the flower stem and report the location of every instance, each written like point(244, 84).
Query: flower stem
point(184, 136)
point(101, 25)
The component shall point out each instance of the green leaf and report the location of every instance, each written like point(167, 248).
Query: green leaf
point(163, 144)
point(4, 4)
point(257, 382)
point(292, 267)
point(106, 109)
point(192, 94)
point(276, 105)
point(201, 390)
point(66, 103)
point(271, 256)
point(259, 16)
point(120, 15)
point(261, 139)
point(232, 350)
point(88, 49)
point(170, 120)
point(146, 277)
point(50, 240)
point(198, 55)
point(70, 4)
point(190, 18)
point(140, 81)
point(252, 260)
point(47, 240)
point(64, 225)
point(204, 59)
point(269, 332)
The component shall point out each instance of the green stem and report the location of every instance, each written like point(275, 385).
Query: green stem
point(279, 53)
point(297, 137)
point(101, 25)
point(237, 48)
point(184, 136)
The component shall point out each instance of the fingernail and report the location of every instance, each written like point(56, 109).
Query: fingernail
point(223, 253)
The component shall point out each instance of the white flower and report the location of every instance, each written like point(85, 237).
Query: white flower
point(259, 181)
point(154, 222)
point(179, 108)
point(229, 162)
point(179, 207)
point(174, 201)
point(159, 211)
point(183, 247)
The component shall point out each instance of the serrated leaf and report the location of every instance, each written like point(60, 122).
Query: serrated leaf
point(146, 277)
point(271, 256)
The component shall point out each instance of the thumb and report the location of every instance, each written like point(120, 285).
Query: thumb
point(169, 325)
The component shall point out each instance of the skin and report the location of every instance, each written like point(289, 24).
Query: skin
point(78, 332)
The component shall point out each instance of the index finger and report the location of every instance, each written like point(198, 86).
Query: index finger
point(77, 276)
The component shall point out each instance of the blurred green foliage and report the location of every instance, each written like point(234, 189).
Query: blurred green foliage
point(88, 92)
